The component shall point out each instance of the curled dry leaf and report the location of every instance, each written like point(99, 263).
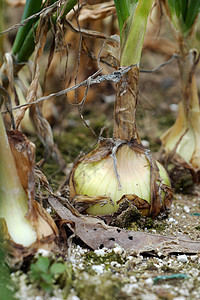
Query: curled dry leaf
point(40, 124)
point(97, 11)
point(96, 234)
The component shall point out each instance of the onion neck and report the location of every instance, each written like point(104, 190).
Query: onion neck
point(125, 107)
point(187, 67)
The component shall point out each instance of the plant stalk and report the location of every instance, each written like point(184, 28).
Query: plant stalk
point(127, 89)
point(122, 10)
point(125, 107)
point(31, 7)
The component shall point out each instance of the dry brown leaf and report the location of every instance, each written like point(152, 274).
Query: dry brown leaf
point(97, 11)
point(16, 2)
point(160, 45)
point(96, 234)
point(82, 202)
point(24, 154)
point(88, 32)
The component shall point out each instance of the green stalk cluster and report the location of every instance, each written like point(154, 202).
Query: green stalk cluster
point(183, 13)
point(31, 7)
point(24, 44)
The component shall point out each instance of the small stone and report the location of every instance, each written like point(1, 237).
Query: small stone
point(149, 281)
point(118, 250)
point(170, 220)
point(133, 278)
point(182, 258)
point(99, 252)
point(115, 264)
point(98, 269)
point(44, 252)
point(173, 107)
point(193, 257)
point(130, 257)
point(186, 209)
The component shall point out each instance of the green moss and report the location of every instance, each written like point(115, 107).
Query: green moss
point(151, 224)
point(92, 258)
point(98, 287)
point(73, 142)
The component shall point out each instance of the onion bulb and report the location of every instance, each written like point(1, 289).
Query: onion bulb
point(25, 225)
point(126, 174)
point(181, 142)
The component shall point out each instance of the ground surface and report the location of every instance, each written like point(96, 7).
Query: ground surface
point(116, 274)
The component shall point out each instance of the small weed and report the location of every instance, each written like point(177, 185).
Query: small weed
point(44, 273)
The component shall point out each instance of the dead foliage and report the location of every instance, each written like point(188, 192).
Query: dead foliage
point(96, 234)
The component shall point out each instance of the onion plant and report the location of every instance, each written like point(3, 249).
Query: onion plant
point(182, 141)
point(121, 168)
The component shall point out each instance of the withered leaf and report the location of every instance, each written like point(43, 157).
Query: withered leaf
point(83, 202)
point(96, 234)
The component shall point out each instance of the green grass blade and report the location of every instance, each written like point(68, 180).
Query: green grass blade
point(133, 38)
point(122, 13)
point(184, 6)
point(192, 12)
point(31, 7)
point(29, 43)
point(174, 6)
